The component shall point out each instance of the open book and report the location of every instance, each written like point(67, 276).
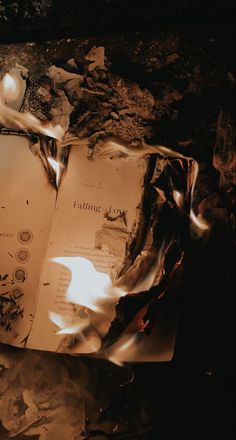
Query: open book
point(87, 225)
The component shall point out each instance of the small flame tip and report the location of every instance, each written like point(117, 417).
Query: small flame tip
point(198, 222)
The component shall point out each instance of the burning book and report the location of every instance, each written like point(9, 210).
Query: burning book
point(93, 228)
point(93, 256)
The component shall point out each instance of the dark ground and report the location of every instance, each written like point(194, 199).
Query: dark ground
point(192, 396)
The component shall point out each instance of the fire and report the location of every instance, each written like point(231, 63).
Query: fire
point(88, 287)
point(198, 221)
point(11, 118)
point(11, 89)
point(57, 167)
point(178, 198)
point(98, 296)
point(95, 295)
point(201, 224)
point(110, 146)
point(68, 325)
point(117, 354)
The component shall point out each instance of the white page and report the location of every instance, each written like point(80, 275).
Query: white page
point(27, 202)
point(88, 189)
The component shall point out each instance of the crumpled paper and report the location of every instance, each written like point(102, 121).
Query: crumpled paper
point(96, 57)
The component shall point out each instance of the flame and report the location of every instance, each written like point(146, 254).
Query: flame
point(57, 167)
point(10, 87)
point(197, 220)
point(68, 325)
point(93, 292)
point(110, 146)
point(88, 287)
point(118, 353)
point(11, 118)
point(201, 224)
point(178, 198)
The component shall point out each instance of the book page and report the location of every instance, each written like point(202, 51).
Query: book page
point(27, 202)
point(96, 208)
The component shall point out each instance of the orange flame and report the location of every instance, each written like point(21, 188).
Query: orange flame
point(197, 220)
point(10, 87)
point(57, 167)
point(68, 325)
point(117, 354)
point(201, 224)
point(10, 118)
point(92, 291)
point(88, 287)
point(178, 198)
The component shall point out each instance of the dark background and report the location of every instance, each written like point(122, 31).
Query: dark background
point(46, 19)
point(192, 396)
